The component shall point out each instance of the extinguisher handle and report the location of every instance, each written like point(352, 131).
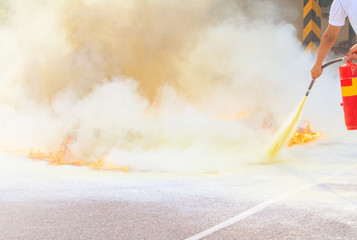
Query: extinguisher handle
point(348, 55)
point(323, 66)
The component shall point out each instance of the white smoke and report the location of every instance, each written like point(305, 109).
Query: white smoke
point(141, 83)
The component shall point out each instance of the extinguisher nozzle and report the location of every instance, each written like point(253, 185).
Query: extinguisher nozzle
point(309, 89)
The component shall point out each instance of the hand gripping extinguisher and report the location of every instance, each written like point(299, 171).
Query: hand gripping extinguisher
point(348, 78)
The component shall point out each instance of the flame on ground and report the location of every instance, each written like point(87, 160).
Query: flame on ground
point(64, 156)
point(304, 135)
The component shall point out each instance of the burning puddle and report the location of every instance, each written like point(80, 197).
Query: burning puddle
point(304, 135)
point(64, 156)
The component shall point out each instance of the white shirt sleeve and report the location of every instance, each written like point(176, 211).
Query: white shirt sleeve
point(337, 14)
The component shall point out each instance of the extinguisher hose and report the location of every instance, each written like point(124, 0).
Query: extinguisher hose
point(323, 66)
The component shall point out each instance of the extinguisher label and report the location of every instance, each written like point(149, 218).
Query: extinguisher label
point(351, 90)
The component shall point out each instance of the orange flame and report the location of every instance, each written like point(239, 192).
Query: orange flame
point(304, 135)
point(64, 156)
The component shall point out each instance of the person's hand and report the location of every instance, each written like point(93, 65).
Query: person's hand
point(352, 54)
point(316, 71)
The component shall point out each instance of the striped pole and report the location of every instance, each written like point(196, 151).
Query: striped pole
point(312, 25)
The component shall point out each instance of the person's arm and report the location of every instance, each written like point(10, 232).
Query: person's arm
point(327, 41)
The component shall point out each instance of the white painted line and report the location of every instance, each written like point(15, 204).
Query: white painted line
point(266, 204)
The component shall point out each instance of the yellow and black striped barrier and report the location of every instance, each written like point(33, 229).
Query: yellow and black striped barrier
point(312, 25)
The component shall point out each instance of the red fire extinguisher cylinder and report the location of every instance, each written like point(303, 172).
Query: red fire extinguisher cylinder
point(348, 78)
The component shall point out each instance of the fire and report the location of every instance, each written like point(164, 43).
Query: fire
point(64, 156)
point(304, 135)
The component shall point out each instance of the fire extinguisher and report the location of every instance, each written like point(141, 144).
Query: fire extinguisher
point(348, 78)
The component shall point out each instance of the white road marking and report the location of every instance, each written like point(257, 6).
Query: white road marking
point(266, 204)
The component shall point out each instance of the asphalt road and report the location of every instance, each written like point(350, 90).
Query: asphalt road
point(291, 200)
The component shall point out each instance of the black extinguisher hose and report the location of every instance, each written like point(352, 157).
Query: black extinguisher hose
point(323, 66)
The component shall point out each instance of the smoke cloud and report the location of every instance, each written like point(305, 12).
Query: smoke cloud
point(153, 85)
